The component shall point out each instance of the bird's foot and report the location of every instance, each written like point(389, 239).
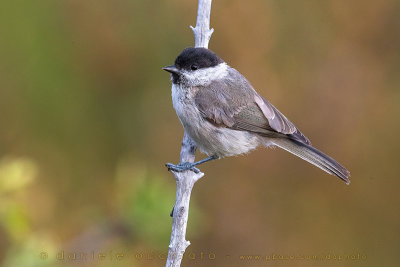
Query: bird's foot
point(181, 167)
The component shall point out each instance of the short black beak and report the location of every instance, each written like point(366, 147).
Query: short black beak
point(171, 69)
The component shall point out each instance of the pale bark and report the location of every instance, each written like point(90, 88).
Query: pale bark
point(186, 180)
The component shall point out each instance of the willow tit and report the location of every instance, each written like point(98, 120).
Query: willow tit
point(223, 114)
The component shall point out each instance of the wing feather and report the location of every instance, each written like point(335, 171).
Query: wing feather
point(238, 106)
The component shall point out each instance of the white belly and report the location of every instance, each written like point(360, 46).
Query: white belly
point(210, 139)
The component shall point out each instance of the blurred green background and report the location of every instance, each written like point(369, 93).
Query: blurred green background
point(87, 125)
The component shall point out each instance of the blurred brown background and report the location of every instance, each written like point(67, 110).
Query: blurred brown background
point(87, 125)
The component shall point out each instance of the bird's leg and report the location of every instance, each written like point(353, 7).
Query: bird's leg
point(184, 166)
point(205, 160)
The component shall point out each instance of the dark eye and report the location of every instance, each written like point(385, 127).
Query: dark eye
point(194, 67)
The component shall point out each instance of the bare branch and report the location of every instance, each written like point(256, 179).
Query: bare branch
point(186, 180)
point(202, 32)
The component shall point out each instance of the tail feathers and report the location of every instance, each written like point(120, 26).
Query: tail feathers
point(314, 156)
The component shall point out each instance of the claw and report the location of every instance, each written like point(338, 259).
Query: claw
point(181, 167)
point(196, 170)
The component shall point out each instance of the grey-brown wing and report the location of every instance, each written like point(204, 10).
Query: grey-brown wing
point(278, 121)
point(238, 106)
point(220, 101)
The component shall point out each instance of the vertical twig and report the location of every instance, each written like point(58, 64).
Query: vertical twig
point(202, 32)
point(186, 180)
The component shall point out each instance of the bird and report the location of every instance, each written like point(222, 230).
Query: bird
point(225, 116)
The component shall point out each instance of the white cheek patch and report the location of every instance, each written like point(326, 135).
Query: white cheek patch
point(206, 75)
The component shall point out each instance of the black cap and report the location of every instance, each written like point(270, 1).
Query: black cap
point(197, 58)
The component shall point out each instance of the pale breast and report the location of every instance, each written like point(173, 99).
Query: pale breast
point(184, 106)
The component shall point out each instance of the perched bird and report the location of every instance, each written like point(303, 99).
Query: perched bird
point(225, 116)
